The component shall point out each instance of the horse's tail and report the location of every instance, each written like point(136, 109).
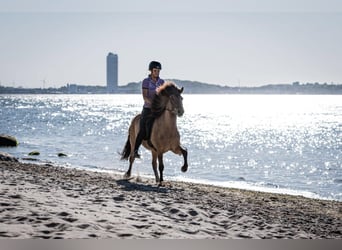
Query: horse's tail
point(127, 150)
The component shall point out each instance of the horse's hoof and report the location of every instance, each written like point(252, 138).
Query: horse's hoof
point(184, 169)
point(127, 176)
point(138, 179)
point(164, 184)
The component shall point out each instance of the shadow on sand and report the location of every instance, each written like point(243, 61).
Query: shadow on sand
point(130, 186)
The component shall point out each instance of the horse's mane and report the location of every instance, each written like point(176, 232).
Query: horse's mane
point(162, 94)
point(166, 86)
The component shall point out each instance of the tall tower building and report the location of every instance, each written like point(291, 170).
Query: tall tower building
point(112, 72)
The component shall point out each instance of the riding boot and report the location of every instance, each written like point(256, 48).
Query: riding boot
point(149, 125)
point(145, 114)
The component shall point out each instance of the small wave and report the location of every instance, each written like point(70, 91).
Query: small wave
point(241, 184)
point(338, 181)
point(90, 166)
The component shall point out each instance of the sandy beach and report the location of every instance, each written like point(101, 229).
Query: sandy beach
point(45, 201)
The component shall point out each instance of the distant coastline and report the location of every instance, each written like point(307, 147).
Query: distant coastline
point(191, 87)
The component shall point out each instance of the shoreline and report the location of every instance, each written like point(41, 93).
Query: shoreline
point(45, 201)
point(232, 184)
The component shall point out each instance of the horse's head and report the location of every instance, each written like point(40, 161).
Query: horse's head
point(169, 98)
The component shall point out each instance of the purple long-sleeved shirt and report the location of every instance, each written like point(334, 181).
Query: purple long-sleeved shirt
point(151, 86)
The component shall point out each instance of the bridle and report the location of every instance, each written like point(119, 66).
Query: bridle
point(174, 110)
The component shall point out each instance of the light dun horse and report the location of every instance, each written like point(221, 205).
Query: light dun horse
point(166, 106)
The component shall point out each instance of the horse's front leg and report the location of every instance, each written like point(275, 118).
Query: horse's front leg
point(154, 165)
point(161, 167)
point(185, 156)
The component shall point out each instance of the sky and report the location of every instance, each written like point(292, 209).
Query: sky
point(232, 43)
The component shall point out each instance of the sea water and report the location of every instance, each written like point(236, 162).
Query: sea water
point(277, 143)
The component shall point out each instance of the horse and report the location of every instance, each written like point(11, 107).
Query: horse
point(166, 106)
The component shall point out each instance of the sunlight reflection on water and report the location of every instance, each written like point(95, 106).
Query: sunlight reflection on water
point(292, 142)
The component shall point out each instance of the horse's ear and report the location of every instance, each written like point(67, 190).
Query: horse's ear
point(181, 90)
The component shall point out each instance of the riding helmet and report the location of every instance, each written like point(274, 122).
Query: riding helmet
point(154, 65)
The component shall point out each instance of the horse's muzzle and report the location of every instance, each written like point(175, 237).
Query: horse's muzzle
point(180, 112)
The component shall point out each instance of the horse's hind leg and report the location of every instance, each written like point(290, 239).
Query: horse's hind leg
point(132, 132)
point(131, 159)
point(129, 171)
point(161, 167)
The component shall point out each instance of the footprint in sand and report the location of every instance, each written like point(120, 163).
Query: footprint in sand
point(43, 218)
point(45, 232)
point(15, 196)
point(46, 237)
point(119, 198)
point(193, 212)
point(70, 219)
point(21, 218)
point(52, 224)
point(124, 235)
point(142, 226)
point(174, 210)
point(63, 214)
point(83, 226)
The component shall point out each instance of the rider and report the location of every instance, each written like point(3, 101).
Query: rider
point(149, 86)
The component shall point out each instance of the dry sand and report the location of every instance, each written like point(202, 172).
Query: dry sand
point(44, 201)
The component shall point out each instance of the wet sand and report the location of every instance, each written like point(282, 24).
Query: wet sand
point(44, 201)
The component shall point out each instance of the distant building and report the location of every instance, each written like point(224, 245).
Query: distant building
point(112, 73)
point(72, 88)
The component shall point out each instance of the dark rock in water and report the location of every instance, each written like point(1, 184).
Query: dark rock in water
point(29, 159)
point(7, 157)
point(8, 141)
point(62, 155)
point(34, 153)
